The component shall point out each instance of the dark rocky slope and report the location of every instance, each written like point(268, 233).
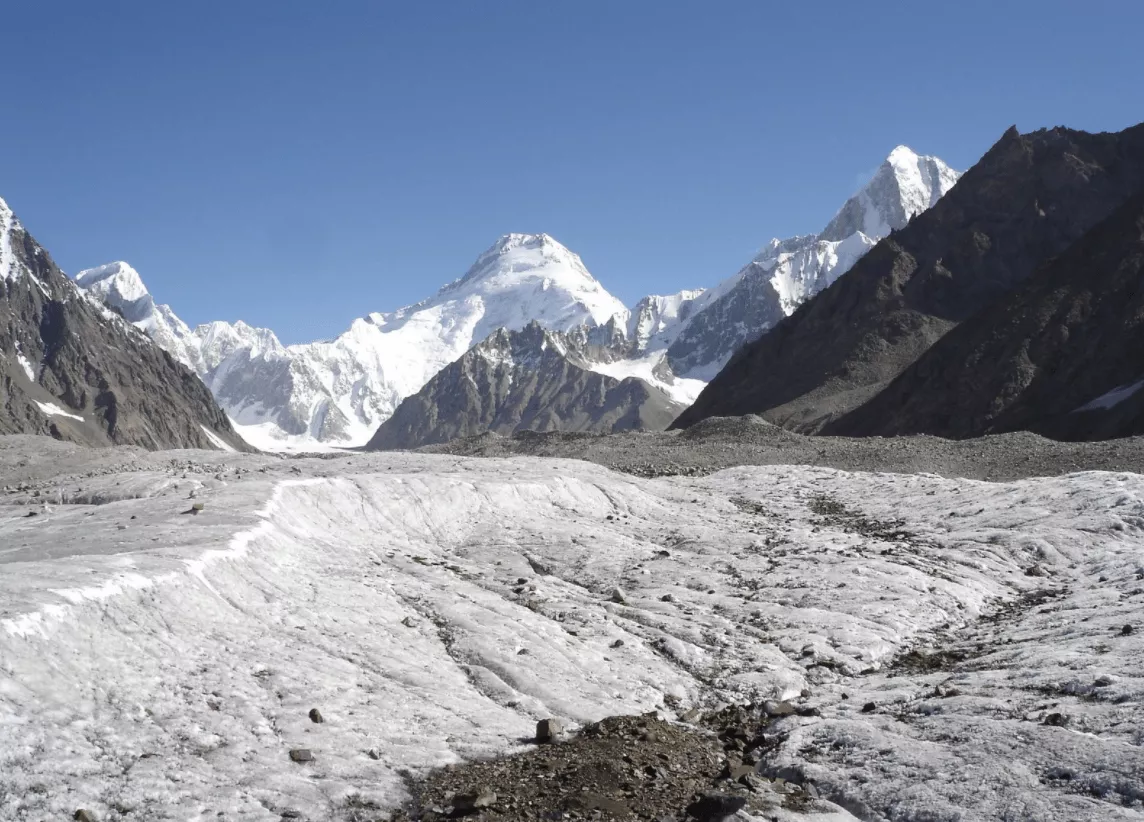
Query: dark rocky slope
point(1026, 200)
point(101, 380)
point(529, 380)
point(1073, 333)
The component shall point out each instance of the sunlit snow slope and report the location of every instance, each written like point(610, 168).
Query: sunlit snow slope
point(158, 665)
point(337, 392)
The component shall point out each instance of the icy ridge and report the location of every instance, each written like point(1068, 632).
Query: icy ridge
point(339, 391)
point(788, 272)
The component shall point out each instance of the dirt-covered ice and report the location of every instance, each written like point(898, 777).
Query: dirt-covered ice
point(974, 650)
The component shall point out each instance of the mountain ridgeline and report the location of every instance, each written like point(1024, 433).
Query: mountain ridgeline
point(339, 392)
point(71, 368)
point(528, 380)
point(932, 302)
point(855, 359)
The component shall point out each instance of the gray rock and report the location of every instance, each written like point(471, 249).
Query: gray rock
point(772, 708)
point(519, 381)
point(301, 755)
point(857, 359)
point(125, 389)
point(84, 815)
point(715, 807)
point(316, 716)
point(549, 730)
point(618, 595)
point(474, 800)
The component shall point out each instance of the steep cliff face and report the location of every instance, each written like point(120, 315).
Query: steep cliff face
point(73, 369)
point(1063, 354)
point(533, 380)
point(709, 327)
point(1026, 200)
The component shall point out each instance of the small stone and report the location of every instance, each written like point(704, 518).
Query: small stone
point(772, 708)
point(373, 753)
point(618, 596)
point(474, 800)
point(619, 643)
point(869, 707)
point(811, 791)
point(548, 730)
point(714, 807)
point(1104, 680)
point(1036, 571)
point(83, 815)
point(736, 773)
point(667, 598)
point(301, 755)
point(1126, 630)
point(409, 622)
point(590, 801)
point(1057, 720)
point(198, 506)
point(316, 716)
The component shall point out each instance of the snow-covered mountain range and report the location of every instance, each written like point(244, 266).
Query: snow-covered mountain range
point(72, 369)
point(338, 392)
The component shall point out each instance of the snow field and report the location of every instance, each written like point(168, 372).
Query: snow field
point(433, 608)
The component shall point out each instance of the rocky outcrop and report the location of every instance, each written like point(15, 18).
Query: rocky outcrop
point(1062, 355)
point(75, 370)
point(789, 272)
point(531, 380)
point(1026, 200)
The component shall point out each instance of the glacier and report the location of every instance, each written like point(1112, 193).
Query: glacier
point(160, 665)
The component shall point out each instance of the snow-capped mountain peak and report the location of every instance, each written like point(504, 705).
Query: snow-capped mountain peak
point(8, 224)
point(533, 270)
point(119, 286)
point(905, 185)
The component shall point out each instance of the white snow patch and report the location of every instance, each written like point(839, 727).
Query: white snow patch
point(7, 257)
point(26, 365)
point(680, 389)
point(1112, 398)
point(53, 410)
point(217, 441)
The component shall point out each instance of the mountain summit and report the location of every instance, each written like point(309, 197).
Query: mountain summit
point(73, 368)
point(1023, 203)
point(787, 273)
point(339, 391)
point(905, 185)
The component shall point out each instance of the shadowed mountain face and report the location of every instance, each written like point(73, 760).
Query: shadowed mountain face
point(528, 380)
point(74, 370)
point(1028, 199)
point(1062, 355)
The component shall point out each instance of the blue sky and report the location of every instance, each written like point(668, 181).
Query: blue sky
point(297, 166)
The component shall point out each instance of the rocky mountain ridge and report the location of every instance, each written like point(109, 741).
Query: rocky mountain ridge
point(340, 391)
point(73, 369)
point(1025, 201)
point(528, 380)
